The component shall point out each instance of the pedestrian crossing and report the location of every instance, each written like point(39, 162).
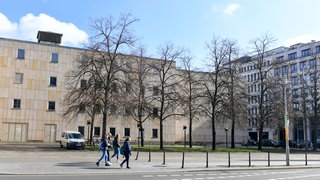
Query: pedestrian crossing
point(256, 174)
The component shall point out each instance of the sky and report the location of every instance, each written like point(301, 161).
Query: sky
point(185, 23)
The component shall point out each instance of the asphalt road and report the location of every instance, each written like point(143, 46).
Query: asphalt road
point(271, 174)
point(49, 161)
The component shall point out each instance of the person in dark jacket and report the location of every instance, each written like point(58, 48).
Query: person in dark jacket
point(116, 147)
point(126, 152)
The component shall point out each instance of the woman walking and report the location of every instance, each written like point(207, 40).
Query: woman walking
point(116, 147)
point(126, 152)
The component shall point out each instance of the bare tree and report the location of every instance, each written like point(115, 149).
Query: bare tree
point(168, 96)
point(234, 103)
point(214, 85)
point(137, 98)
point(101, 61)
point(189, 91)
point(265, 82)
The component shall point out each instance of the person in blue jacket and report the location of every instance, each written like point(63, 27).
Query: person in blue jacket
point(126, 152)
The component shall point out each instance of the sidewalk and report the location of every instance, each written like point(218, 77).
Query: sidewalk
point(32, 159)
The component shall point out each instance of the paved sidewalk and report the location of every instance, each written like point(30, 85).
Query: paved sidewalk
point(50, 159)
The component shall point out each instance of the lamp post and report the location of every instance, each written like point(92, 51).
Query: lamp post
point(185, 135)
point(226, 130)
point(286, 123)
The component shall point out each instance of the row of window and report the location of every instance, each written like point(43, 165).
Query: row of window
point(17, 104)
point(303, 66)
point(54, 56)
point(304, 53)
point(127, 133)
point(19, 79)
point(252, 67)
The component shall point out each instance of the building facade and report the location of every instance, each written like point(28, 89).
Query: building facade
point(298, 65)
point(32, 90)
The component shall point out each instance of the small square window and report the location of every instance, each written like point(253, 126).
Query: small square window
point(20, 53)
point(97, 131)
point(113, 131)
point(155, 112)
point(53, 81)
point(55, 57)
point(83, 83)
point(17, 103)
point(154, 133)
point(127, 132)
point(19, 78)
point(52, 106)
point(156, 90)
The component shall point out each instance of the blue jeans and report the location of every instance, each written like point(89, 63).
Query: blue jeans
point(104, 155)
point(116, 152)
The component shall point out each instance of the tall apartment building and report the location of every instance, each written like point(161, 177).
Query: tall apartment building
point(32, 90)
point(297, 64)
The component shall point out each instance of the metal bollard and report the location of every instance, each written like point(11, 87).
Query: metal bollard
point(164, 157)
point(149, 155)
point(249, 159)
point(182, 160)
point(137, 154)
point(268, 158)
point(229, 164)
point(207, 159)
point(306, 157)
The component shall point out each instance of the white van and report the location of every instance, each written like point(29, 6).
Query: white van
point(72, 139)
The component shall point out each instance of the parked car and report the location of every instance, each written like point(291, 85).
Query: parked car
point(292, 144)
point(72, 140)
point(269, 143)
point(303, 145)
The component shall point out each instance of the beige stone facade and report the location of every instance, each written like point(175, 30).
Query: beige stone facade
point(32, 77)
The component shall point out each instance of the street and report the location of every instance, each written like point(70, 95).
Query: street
point(49, 161)
point(271, 174)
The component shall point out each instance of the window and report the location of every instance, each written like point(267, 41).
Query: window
point(127, 132)
point(97, 131)
point(276, 72)
point(155, 90)
point(113, 109)
point(280, 58)
point(306, 52)
point(113, 131)
point(81, 130)
point(318, 49)
point(296, 106)
point(312, 77)
point(53, 81)
point(128, 87)
point(55, 57)
point(312, 63)
point(127, 111)
point(292, 56)
point(51, 106)
point(155, 112)
point(129, 65)
point(295, 93)
point(294, 81)
point(83, 83)
point(20, 53)
point(19, 78)
point(293, 68)
point(303, 66)
point(154, 133)
point(17, 103)
point(285, 70)
point(82, 108)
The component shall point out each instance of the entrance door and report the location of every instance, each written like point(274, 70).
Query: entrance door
point(15, 132)
point(50, 133)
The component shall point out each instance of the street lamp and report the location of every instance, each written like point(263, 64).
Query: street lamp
point(226, 130)
point(185, 135)
point(286, 123)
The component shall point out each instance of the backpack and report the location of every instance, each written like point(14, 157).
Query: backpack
point(102, 145)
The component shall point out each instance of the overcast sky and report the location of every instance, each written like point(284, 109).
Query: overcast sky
point(185, 23)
